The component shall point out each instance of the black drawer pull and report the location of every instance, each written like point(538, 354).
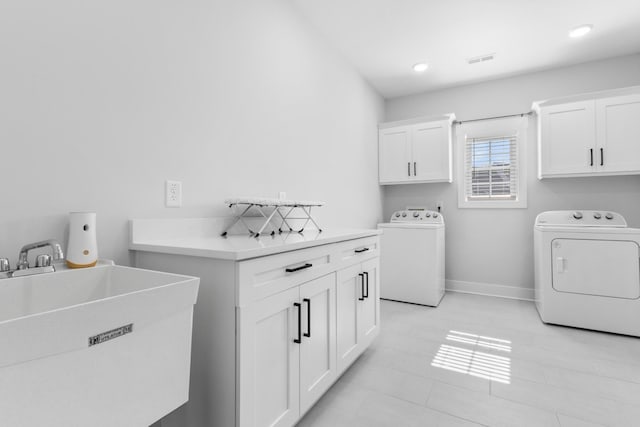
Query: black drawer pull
point(591, 154)
point(302, 267)
point(366, 274)
point(602, 157)
point(362, 286)
point(359, 251)
point(299, 339)
point(308, 333)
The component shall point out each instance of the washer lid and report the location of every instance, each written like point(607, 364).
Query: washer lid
point(580, 218)
point(410, 225)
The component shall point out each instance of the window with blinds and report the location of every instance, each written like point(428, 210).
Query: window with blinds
point(491, 168)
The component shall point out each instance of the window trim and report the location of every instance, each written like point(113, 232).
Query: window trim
point(493, 128)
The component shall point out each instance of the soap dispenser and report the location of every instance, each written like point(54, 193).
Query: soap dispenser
point(82, 250)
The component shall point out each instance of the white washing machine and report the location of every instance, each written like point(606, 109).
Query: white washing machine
point(587, 271)
point(412, 257)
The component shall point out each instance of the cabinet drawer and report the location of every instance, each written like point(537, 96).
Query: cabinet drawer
point(260, 277)
point(355, 251)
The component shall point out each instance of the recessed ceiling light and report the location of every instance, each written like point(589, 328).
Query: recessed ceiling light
point(420, 67)
point(580, 31)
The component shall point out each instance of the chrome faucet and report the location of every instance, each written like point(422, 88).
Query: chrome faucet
point(23, 262)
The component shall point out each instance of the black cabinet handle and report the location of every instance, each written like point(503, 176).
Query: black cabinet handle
point(302, 267)
point(408, 169)
point(359, 251)
point(308, 333)
point(591, 154)
point(602, 157)
point(366, 274)
point(299, 339)
point(415, 171)
point(362, 286)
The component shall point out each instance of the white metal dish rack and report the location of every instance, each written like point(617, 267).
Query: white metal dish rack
point(272, 209)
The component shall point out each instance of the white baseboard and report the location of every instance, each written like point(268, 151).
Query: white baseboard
point(489, 289)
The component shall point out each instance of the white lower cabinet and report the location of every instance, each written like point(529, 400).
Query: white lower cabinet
point(273, 333)
point(358, 310)
point(291, 340)
point(318, 347)
point(272, 367)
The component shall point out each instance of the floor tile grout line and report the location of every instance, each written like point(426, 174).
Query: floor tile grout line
point(536, 408)
point(561, 389)
point(558, 413)
point(539, 363)
point(543, 381)
point(372, 389)
point(448, 413)
point(580, 341)
point(543, 371)
point(418, 405)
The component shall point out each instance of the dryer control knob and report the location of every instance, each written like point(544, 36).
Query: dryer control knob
point(435, 215)
point(597, 215)
point(577, 215)
point(609, 215)
point(416, 214)
point(404, 214)
point(397, 214)
point(427, 215)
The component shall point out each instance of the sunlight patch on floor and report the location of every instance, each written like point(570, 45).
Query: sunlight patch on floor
point(472, 362)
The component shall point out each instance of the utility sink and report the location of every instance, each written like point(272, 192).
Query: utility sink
point(101, 346)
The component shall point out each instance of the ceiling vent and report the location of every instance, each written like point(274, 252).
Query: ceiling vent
point(481, 58)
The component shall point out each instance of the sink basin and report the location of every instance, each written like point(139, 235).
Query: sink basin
point(101, 346)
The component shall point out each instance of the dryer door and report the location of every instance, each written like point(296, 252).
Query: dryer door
point(608, 268)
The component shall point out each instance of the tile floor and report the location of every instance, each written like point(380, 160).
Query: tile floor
point(478, 360)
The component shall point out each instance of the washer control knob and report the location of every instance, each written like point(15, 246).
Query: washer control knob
point(427, 215)
point(435, 215)
point(597, 215)
point(577, 215)
point(404, 214)
point(609, 215)
point(397, 214)
point(416, 214)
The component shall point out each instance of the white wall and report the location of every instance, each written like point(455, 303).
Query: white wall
point(495, 246)
point(102, 101)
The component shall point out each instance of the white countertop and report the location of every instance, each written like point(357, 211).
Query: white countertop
point(200, 237)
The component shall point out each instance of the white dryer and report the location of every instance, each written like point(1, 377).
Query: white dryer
point(412, 257)
point(587, 271)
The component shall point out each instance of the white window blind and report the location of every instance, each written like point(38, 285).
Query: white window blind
point(491, 168)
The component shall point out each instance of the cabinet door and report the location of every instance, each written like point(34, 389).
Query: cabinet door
point(348, 299)
point(369, 309)
point(318, 350)
point(394, 153)
point(431, 151)
point(618, 129)
point(269, 365)
point(567, 140)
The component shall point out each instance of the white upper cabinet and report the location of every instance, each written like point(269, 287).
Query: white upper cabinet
point(618, 133)
point(415, 151)
point(589, 135)
point(395, 153)
point(569, 136)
